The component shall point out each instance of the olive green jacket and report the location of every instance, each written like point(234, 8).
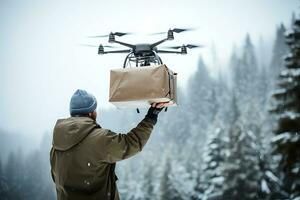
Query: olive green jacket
point(83, 157)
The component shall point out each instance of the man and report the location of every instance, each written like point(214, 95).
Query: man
point(84, 154)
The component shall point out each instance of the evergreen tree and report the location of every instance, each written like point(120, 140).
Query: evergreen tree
point(293, 19)
point(201, 97)
point(245, 73)
point(222, 96)
point(14, 175)
point(175, 123)
point(287, 140)
point(126, 185)
point(48, 189)
point(262, 53)
point(279, 50)
point(201, 111)
point(182, 181)
point(199, 186)
point(148, 183)
point(263, 76)
point(167, 190)
point(214, 159)
point(33, 176)
point(270, 183)
point(262, 89)
point(3, 185)
point(241, 169)
point(37, 176)
point(234, 113)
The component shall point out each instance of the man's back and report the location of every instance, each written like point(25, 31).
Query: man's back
point(83, 156)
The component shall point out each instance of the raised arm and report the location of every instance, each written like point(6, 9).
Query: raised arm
point(122, 146)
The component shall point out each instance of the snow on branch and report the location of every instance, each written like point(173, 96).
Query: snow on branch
point(274, 178)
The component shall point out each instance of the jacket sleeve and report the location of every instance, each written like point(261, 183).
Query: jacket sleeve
point(121, 146)
point(51, 157)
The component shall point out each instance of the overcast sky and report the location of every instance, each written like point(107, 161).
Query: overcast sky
point(42, 64)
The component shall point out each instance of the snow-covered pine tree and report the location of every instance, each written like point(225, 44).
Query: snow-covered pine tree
point(279, 50)
point(182, 181)
point(167, 190)
point(148, 181)
point(125, 186)
point(175, 123)
point(270, 184)
point(213, 157)
point(3, 185)
point(199, 184)
point(201, 98)
point(201, 104)
point(47, 189)
point(241, 169)
point(36, 173)
point(222, 96)
point(245, 73)
point(287, 140)
point(262, 91)
point(33, 176)
point(201, 110)
point(14, 175)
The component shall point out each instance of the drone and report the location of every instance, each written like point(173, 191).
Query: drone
point(144, 54)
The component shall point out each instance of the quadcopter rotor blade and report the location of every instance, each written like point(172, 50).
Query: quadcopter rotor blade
point(119, 34)
point(89, 45)
point(98, 36)
point(192, 46)
point(179, 30)
point(176, 30)
point(173, 47)
point(158, 33)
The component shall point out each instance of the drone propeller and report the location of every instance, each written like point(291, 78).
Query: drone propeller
point(176, 30)
point(115, 33)
point(89, 45)
point(189, 46)
point(179, 30)
point(158, 33)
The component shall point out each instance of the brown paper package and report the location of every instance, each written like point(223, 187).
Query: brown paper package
point(138, 87)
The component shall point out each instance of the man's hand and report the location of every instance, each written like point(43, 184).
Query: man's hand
point(155, 109)
point(161, 104)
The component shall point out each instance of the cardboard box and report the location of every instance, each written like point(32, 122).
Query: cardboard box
point(138, 87)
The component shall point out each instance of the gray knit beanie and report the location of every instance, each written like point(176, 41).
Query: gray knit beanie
point(82, 103)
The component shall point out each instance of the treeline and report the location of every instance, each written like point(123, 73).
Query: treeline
point(224, 141)
point(27, 176)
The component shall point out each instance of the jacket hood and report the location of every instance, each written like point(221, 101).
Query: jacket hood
point(71, 131)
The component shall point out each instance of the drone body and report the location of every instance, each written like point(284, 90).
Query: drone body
point(144, 54)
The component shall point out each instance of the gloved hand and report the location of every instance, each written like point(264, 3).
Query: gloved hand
point(155, 109)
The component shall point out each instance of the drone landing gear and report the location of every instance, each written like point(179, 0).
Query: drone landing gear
point(142, 60)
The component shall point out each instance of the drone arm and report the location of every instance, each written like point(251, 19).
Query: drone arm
point(164, 51)
point(118, 51)
point(124, 44)
point(158, 43)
